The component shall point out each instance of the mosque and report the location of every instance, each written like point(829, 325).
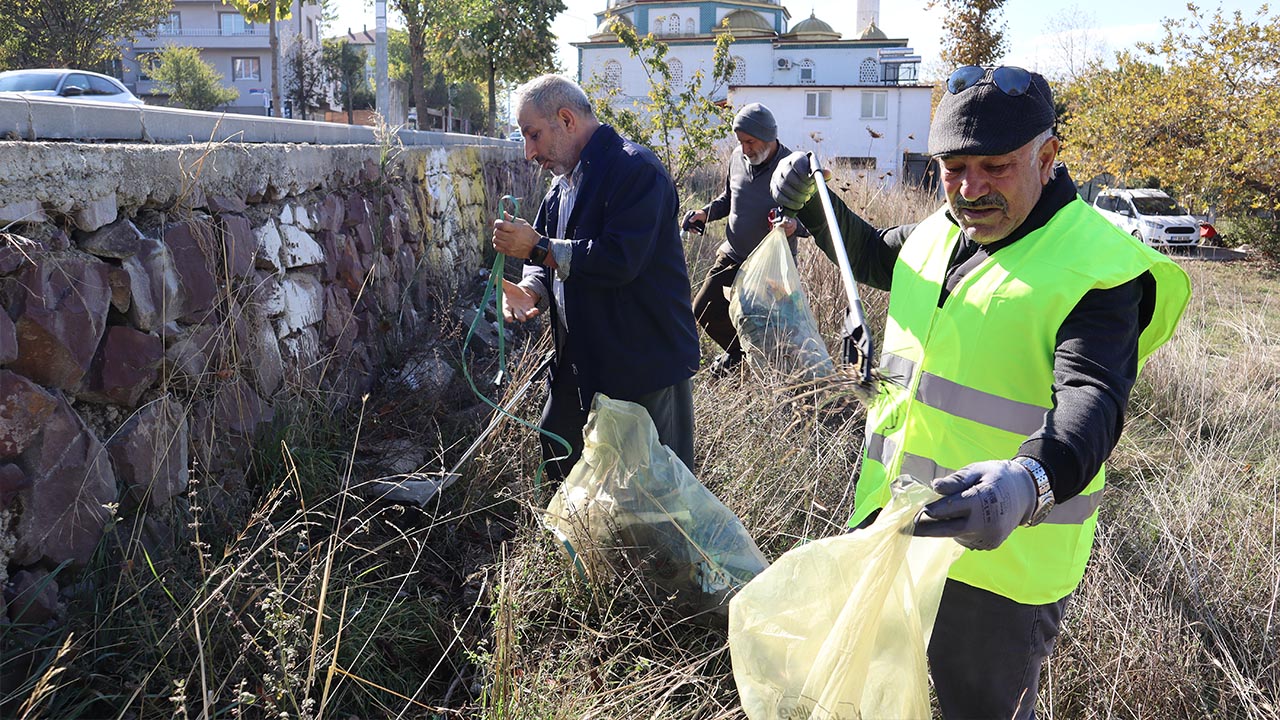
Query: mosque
point(856, 101)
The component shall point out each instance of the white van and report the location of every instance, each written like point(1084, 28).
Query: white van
point(1149, 215)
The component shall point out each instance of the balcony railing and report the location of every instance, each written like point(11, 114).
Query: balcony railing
point(212, 32)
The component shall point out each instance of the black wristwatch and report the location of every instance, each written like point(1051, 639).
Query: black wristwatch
point(539, 252)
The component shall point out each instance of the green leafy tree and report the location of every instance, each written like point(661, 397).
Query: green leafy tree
point(189, 81)
point(73, 33)
point(1199, 110)
point(491, 42)
point(304, 76)
point(269, 12)
point(344, 64)
point(973, 31)
point(680, 122)
point(419, 15)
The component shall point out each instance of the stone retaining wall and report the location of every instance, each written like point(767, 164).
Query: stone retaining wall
point(161, 301)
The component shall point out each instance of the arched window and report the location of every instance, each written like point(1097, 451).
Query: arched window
point(806, 71)
point(657, 25)
point(613, 74)
point(677, 72)
point(673, 24)
point(689, 28)
point(869, 71)
point(739, 74)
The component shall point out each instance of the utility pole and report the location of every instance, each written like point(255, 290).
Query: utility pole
point(383, 98)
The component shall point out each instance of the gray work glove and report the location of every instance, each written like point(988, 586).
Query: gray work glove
point(982, 503)
point(792, 183)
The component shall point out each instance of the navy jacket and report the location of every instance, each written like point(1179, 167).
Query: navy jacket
point(627, 307)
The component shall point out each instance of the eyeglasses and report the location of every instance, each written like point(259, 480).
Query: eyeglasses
point(1012, 81)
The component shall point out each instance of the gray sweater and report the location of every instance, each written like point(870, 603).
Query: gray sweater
point(746, 201)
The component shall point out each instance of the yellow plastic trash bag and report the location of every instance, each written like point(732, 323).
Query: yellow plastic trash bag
point(772, 316)
point(631, 505)
point(838, 628)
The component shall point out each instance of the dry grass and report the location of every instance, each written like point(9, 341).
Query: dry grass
point(325, 605)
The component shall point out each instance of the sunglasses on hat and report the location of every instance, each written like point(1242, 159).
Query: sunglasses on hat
point(1010, 80)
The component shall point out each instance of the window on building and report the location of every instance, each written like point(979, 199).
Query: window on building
point(875, 105)
point(233, 24)
point(613, 74)
point(147, 64)
point(677, 72)
point(738, 76)
point(806, 71)
point(172, 25)
point(658, 24)
point(673, 24)
point(246, 68)
point(817, 104)
point(689, 27)
point(895, 73)
point(868, 72)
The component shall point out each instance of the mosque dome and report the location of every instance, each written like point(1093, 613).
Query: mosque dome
point(812, 29)
point(746, 22)
point(603, 32)
point(871, 32)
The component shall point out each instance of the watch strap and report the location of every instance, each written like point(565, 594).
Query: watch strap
point(538, 254)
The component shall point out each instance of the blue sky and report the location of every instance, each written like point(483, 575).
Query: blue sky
point(1030, 23)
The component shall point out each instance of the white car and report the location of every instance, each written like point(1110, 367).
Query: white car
point(1149, 215)
point(64, 84)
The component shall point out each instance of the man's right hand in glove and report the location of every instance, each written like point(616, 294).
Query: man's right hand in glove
point(695, 221)
point(792, 184)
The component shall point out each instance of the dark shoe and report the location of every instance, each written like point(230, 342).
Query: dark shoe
point(725, 364)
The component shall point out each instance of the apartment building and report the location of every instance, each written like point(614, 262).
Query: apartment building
point(240, 51)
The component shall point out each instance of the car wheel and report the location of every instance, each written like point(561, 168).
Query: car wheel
point(1138, 235)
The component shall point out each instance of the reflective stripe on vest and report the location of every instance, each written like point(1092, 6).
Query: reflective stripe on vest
point(974, 378)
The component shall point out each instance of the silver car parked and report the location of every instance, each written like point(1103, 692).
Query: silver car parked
point(65, 84)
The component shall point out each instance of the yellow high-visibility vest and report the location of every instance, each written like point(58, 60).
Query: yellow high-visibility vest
point(974, 377)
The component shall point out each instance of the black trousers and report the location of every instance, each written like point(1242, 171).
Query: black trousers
point(711, 307)
point(986, 652)
point(671, 409)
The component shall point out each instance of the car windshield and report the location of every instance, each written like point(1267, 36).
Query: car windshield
point(28, 82)
point(1157, 206)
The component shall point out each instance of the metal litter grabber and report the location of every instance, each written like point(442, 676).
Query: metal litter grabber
point(858, 345)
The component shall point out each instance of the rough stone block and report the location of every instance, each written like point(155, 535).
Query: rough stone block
point(60, 316)
point(65, 507)
point(34, 599)
point(12, 482)
point(157, 295)
point(27, 211)
point(239, 244)
point(303, 302)
point(259, 350)
point(270, 247)
point(239, 409)
point(24, 407)
point(96, 213)
point(127, 363)
point(356, 211)
point(8, 339)
point(299, 248)
point(118, 240)
point(194, 353)
point(225, 204)
point(150, 454)
point(190, 243)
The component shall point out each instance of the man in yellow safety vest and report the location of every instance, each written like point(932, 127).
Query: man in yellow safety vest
point(1018, 321)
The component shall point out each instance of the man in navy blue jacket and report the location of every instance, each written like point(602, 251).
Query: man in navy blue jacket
point(604, 258)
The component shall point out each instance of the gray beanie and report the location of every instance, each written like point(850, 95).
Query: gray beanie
point(983, 120)
point(755, 120)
